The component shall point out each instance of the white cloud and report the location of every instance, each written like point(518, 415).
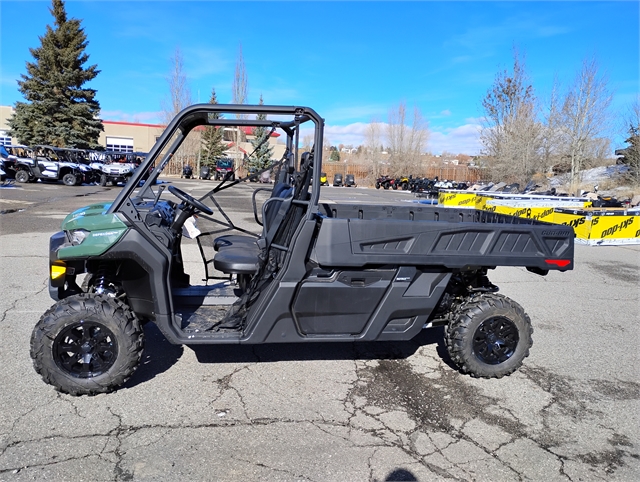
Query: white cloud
point(464, 139)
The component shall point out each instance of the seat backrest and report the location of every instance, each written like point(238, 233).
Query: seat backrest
point(270, 208)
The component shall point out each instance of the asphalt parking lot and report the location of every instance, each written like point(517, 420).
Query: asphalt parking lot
point(352, 412)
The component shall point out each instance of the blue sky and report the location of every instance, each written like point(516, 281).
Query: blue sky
point(350, 61)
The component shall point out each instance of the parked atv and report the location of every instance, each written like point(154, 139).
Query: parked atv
point(402, 183)
point(350, 181)
point(224, 170)
point(43, 163)
point(205, 173)
point(187, 171)
point(323, 179)
point(384, 181)
point(337, 180)
point(335, 272)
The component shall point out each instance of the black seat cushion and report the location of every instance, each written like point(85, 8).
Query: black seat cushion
point(236, 260)
point(235, 240)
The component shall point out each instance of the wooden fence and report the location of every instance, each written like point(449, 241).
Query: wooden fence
point(366, 177)
point(363, 172)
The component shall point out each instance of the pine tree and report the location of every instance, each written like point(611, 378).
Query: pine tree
point(58, 111)
point(212, 147)
point(262, 156)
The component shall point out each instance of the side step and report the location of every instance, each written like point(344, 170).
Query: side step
point(199, 308)
point(219, 294)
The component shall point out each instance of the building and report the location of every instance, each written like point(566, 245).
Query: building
point(136, 137)
point(117, 136)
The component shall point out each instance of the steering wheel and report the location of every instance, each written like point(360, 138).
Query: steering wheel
point(188, 199)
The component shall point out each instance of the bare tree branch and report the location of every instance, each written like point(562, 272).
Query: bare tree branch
point(511, 134)
point(585, 116)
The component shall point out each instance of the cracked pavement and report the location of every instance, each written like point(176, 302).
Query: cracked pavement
point(330, 412)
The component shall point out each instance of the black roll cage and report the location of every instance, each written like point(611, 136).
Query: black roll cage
point(203, 115)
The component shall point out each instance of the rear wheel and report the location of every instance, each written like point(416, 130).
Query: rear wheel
point(22, 176)
point(69, 179)
point(87, 344)
point(490, 337)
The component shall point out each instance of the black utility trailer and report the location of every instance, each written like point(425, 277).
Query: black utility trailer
point(318, 272)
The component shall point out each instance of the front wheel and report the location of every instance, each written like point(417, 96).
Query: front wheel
point(103, 180)
point(377, 185)
point(22, 176)
point(490, 337)
point(87, 344)
point(69, 179)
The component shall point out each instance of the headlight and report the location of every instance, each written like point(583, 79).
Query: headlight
point(77, 236)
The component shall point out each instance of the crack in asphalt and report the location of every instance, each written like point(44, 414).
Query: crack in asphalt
point(275, 469)
point(17, 300)
point(393, 384)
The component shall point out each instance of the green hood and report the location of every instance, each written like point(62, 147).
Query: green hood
point(104, 230)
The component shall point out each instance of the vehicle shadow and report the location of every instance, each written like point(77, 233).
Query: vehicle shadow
point(276, 352)
point(159, 355)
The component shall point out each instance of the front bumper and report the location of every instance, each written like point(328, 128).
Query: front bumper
point(62, 274)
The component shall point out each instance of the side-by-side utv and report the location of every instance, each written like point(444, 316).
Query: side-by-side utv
point(318, 272)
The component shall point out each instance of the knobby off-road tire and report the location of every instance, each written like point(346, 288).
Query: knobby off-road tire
point(87, 344)
point(490, 337)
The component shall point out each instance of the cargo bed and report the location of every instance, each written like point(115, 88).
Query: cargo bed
point(373, 235)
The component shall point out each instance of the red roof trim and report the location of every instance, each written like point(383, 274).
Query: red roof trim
point(246, 129)
point(161, 126)
point(232, 144)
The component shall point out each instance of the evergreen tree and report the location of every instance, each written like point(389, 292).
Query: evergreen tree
point(212, 147)
point(58, 111)
point(631, 154)
point(335, 155)
point(261, 157)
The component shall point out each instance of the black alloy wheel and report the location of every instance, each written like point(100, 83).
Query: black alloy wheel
point(495, 340)
point(85, 349)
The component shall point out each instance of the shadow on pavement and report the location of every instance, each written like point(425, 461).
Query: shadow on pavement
point(159, 355)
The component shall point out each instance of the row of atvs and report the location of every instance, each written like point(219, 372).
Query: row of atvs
point(71, 166)
point(418, 184)
point(430, 188)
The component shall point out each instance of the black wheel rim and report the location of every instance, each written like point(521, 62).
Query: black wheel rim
point(85, 349)
point(495, 340)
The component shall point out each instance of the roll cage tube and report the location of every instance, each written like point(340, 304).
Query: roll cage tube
point(198, 115)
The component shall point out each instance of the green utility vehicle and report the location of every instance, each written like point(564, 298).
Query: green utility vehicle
point(318, 272)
